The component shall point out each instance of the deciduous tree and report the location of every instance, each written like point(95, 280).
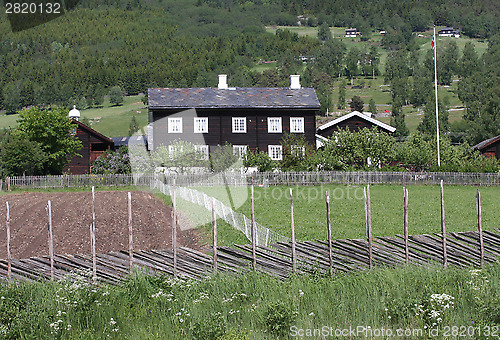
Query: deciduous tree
point(50, 129)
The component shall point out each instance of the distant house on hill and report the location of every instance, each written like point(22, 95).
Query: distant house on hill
point(355, 121)
point(489, 147)
point(247, 118)
point(449, 32)
point(351, 33)
point(94, 145)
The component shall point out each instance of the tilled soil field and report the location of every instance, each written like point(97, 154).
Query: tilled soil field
point(72, 217)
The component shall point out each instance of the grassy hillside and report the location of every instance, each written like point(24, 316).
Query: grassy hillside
point(110, 120)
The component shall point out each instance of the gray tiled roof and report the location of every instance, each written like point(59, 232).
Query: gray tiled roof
point(485, 143)
point(236, 97)
point(134, 140)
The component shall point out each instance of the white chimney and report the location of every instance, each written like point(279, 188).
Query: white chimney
point(222, 81)
point(295, 82)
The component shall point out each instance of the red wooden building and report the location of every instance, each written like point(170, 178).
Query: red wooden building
point(355, 121)
point(489, 147)
point(94, 145)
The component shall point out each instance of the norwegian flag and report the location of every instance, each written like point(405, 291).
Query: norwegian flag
point(433, 44)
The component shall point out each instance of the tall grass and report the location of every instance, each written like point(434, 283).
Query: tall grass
point(249, 306)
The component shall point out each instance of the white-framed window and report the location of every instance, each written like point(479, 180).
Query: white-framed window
point(297, 124)
point(239, 125)
point(174, 151)
point(200, 124)
point(275, 152)
point(298, 150)
point(240, 150)
point(203, 150)
point(274, 125)
point(175, 125)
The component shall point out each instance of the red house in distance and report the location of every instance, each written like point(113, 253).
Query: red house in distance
point(94, 145)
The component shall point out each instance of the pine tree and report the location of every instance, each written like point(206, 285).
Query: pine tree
point(398, 121)
point(357, 104)
point(341, 95)
point(133, 127)
point(373, 107)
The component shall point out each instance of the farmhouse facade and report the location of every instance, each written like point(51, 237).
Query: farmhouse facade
point(489, 147)
point(354, 121)
point(351, 33)
point(94, 145)
point(247, 118)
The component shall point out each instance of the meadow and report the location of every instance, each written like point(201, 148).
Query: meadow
point(110, 120)
point(272, 209)
point(408, 302)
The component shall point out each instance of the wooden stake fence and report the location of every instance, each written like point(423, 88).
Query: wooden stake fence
point(368, 216)
point(405, 218)
point(9, 255)
point(329, 233)
point(443, 228)
point(51, 241)
point(254, 250)
point(174, 228)
point(480, 227)
point(294, 255)
point(92, 240)
point(214, 234)
point(130, 235)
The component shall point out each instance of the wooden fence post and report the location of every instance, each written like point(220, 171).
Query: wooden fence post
point(51, 241)
point(329, 233)
point(294, 256)
point(92, 240)
point(254, 251)
point(443, 228)
point(405, 222)
point(9, 255)
point(214, 234)
point(174, 228)
point(480, 226)
point(368, 216)
point(130, 235)
point(8, 183)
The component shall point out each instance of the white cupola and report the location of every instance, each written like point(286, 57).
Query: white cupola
point(74, 113)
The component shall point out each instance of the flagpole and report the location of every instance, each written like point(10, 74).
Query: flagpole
point(434, 55)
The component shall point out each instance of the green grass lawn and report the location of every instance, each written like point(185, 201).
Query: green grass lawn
point(272, 209)
point(110, 120)
point(114, 121)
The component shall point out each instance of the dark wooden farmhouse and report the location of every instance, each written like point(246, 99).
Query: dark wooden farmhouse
point(351, 33)
point(449, 32)
point(489, 147)
point(355, 121)
point(94, 145)
point(247, 118)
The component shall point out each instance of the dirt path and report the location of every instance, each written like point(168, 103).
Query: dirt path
point(72, 216)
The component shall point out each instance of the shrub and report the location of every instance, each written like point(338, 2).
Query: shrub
point(113, 162)
point(279, 317)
